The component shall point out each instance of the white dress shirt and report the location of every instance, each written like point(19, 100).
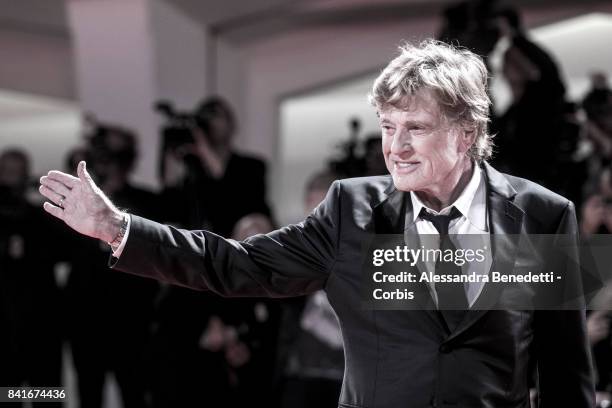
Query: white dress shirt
point(472, 204)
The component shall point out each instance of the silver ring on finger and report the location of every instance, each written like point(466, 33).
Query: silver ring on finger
point(61, 202)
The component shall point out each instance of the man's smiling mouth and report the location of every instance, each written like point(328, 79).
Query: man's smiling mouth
point(404, 166)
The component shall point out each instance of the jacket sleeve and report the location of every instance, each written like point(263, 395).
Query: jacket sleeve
point(565, 374)
point(291, 261)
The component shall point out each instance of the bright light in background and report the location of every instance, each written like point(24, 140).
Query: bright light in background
point(45, 128)
point(312, 125)
point(580, 45)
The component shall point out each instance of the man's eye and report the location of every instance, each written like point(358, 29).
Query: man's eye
point(387, 128)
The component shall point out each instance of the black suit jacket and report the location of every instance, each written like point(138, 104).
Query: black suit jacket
point(394, 358)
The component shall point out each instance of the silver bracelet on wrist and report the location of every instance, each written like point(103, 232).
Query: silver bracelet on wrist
point(122, 230)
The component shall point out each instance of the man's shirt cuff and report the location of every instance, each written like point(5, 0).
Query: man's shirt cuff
point(119, 250)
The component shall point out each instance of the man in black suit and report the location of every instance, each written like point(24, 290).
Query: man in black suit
point(433, 111)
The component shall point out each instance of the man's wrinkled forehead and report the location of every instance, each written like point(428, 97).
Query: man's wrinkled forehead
point(422, 103)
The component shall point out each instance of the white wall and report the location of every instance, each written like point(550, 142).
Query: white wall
point(581, 45)
point(180, 46)
point(37, 63)
point(228, 79)
point(312, 126)
point(116, 80)
point(131, 54)
point(46, 128)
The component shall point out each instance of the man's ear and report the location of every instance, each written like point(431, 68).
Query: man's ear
point(467, 137)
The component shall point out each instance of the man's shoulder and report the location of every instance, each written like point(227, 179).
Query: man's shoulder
point(371, 189)
point(543, 208)
point(529, 191)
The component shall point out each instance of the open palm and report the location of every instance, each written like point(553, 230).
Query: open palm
point(80, 203)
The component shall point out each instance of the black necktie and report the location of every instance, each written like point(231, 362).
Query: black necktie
point(452, 300)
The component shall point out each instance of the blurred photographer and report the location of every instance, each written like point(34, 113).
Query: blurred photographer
point(110, 314)
point(598, 329)
point(30, 344)
point(596, 213)
point(597, 106)
point(206, 185)
point(471, 24)
point(596, 218)
point(217, 185)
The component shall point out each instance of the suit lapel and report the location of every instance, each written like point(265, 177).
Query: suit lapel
point(505, 223)
point(389, 213)
point(393, 215)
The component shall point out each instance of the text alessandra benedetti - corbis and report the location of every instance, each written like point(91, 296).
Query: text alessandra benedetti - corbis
point(473, 277)
point(432, 278)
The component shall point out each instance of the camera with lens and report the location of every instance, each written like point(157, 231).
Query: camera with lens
point(177, 132)
point(212, 118)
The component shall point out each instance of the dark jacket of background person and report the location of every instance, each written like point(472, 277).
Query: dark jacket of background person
point(311, 369)
point(31, 314)
point(30, 307)
point(190, 204)
point(393, 357)
point(602, 358)
point(109, 314)
point(530, 131)
point(186, 371)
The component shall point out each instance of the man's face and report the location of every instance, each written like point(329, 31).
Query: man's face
point(423, 152)
point(219, 129)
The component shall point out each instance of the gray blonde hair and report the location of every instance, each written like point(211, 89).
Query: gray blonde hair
point(458, 78)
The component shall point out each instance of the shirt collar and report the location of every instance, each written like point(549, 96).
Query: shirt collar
point(463, 203)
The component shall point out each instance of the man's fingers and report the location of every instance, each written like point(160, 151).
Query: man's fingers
point(56, 186)
point(50, 194)
point(84, 174)
point(66, 179)
point(53, 210)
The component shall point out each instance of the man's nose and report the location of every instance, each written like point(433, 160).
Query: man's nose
point(402, 142)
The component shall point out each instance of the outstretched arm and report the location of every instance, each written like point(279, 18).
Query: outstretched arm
point(292, 261)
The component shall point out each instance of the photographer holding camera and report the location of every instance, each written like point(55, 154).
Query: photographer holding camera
point(206, 185)
point(199, 165)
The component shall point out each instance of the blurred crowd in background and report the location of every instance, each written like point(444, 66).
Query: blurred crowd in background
point(171, 346)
